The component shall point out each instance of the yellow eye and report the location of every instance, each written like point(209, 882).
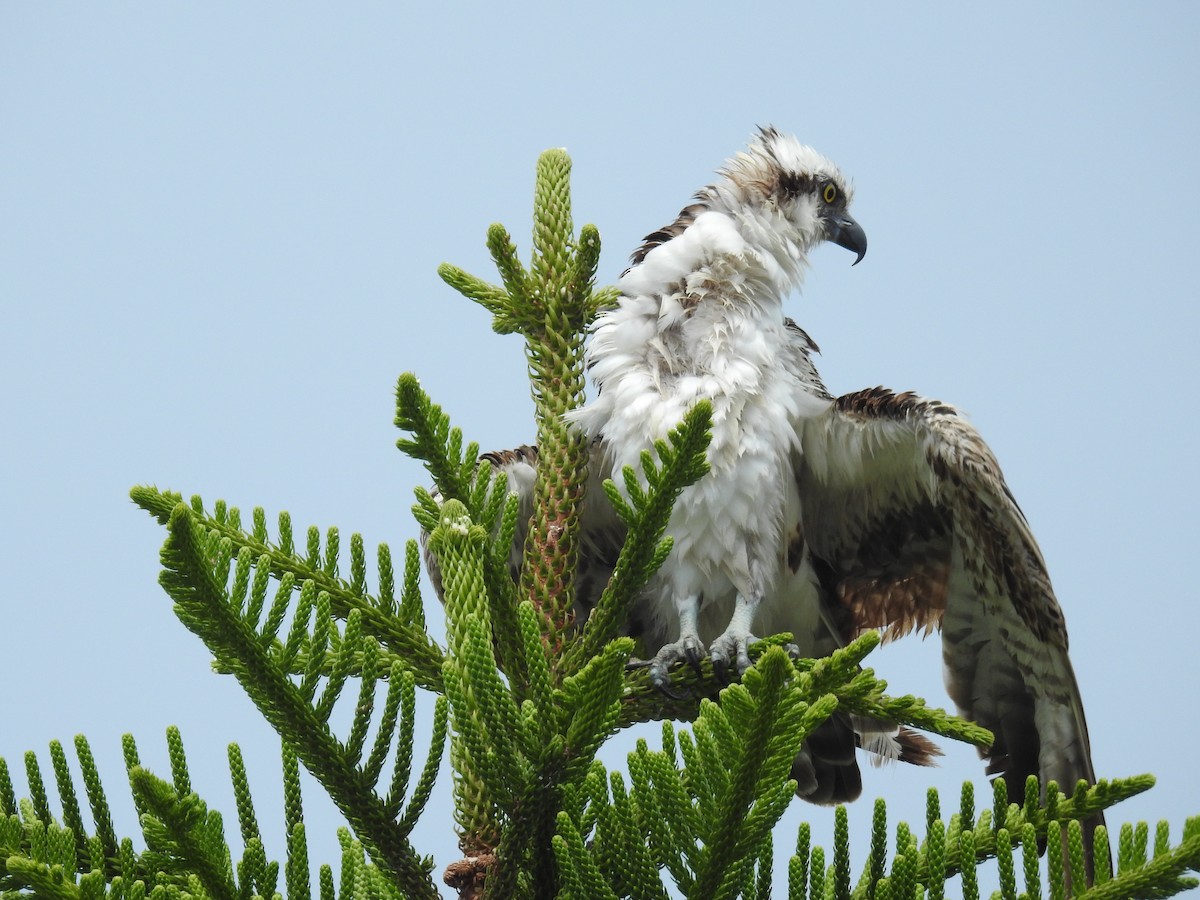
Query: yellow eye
point(830, 193)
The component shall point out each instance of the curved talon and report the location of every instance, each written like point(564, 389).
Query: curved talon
point(687, 649)
point(693, 657)
point(735, 645)
point(721, 669)
point(661, 681)
point(743, 657)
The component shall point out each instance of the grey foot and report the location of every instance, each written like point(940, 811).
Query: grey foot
point(687, 649)
point(731, 648)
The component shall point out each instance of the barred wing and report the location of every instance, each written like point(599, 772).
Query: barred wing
point(911, 525)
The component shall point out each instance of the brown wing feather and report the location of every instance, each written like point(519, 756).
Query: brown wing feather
point(908, 513)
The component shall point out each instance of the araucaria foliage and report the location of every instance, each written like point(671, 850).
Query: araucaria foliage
point(525, 693)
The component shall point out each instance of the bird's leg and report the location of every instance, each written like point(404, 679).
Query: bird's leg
point(688, 648)
point(734, 644)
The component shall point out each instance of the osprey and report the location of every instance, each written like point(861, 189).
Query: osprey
point(823, 516)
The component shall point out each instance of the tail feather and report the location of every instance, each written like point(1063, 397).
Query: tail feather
point(888, 742)
point(826, 769)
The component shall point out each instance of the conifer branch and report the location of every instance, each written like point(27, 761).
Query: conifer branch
point(247, 820)
point(203, 608)
point(581, 877)
point(297, 871)
point(434, 441)
point(43, 879)
point(406, 639)
point(459, 477)
point(38, 799)
point(856, 689)
point(70, 805)
point(707, 822)
point(181, 830)
point(459, 545)
point(8, 797)
point(492, 298)
point(424, 786)
point(550, 304)
point(504, 254)
point(555, 311)
point(400, 692)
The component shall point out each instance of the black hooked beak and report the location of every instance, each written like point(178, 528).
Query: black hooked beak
point(845, 232)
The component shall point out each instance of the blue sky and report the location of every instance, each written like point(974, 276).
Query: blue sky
point(219, 234)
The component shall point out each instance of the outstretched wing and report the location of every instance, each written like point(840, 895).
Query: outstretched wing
point(911, 526)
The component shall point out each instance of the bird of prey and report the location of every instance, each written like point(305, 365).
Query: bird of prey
point(823, 516)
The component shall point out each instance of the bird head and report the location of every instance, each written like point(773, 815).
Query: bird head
point(792, 187)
